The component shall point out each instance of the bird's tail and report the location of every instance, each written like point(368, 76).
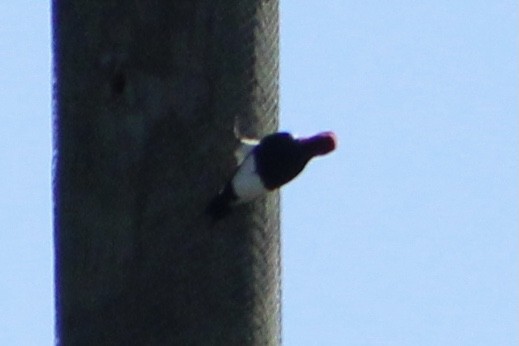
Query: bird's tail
point(220, 205)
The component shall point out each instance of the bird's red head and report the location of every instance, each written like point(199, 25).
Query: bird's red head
point(320, 144)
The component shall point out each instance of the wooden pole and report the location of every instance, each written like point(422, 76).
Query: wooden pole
point(150, 99)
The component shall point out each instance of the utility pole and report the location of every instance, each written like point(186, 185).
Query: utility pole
point(151, 98)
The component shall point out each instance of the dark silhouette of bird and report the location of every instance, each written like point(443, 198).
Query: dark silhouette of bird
point(267, 165)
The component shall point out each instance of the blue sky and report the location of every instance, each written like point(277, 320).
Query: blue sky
point(406, 235)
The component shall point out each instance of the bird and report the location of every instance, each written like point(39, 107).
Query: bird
point(267, 165)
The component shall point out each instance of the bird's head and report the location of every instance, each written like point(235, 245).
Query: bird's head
point(320, 144)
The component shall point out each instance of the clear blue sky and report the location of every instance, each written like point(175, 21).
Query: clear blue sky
point(405, 236)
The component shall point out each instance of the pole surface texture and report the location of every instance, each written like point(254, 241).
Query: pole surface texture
point(151, 98)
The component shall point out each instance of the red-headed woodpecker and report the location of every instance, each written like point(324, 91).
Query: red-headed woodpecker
point(267, 165)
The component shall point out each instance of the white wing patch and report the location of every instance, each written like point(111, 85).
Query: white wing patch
point(246, 182)
point(244, 149)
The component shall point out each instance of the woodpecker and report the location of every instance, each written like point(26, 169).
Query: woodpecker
point(267, 165)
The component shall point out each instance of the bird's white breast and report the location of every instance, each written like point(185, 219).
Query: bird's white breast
point(246, 182)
